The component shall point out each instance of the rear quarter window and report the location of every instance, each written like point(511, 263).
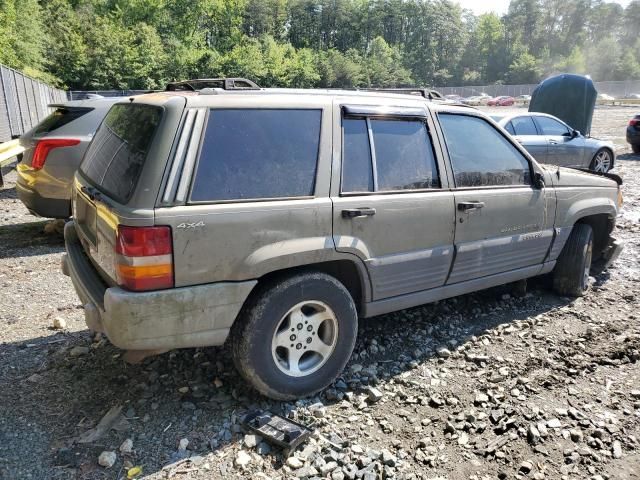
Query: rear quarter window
point(257, 154)
point(116, 155)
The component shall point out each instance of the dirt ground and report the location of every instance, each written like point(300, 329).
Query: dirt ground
point(483, 386)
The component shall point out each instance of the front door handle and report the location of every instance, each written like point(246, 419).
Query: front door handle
point(466, 206)
point(553, 142)
point(358, 212)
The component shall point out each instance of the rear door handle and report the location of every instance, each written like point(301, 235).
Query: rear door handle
point(358, 212)
point(465, 206)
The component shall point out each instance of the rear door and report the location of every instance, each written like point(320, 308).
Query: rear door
point(391, 205)
point(526, 133)
point(564, 149)
point(503, 222)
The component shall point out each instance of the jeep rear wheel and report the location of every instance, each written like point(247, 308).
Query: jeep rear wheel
point(571, 274)
point(295, 335)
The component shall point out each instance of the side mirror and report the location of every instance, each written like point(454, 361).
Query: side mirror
point(538, 180)
point(575, 133)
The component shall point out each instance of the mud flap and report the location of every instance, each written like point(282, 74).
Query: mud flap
point(609, 255)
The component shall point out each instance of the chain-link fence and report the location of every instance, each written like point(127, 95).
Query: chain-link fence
point(23, 102)
point(615, 89)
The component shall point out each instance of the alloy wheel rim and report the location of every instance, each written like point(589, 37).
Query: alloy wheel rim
point(603, 162)
point(305, 338)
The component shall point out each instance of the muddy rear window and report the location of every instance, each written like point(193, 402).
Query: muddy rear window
point(59, 118)
point(115, 157)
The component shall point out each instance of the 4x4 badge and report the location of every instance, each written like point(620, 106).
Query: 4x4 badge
point(187, 225)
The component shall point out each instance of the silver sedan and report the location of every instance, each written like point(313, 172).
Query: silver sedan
point(552, 141)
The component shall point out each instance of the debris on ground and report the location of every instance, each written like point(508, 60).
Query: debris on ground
point(107, 459)
point(113, 419)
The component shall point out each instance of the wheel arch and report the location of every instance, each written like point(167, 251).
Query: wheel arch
point(350, 272)
point(602, 225)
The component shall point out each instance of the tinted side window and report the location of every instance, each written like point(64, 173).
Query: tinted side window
point(551, 127)
point(480, 155)
point(509, 128)
point(404, 156)
point(258, 153)
point(357, 174)
point(524, 126)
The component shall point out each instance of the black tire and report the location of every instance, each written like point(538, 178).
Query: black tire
point(636, 148)
point(571, 274)
point(253, 333)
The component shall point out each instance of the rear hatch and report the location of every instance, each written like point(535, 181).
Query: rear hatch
point(54, 124)
point(117, 184)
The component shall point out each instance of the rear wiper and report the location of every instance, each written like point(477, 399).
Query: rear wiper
point(95, 195)
point(89, 192)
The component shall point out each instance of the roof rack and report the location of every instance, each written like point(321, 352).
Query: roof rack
point(198, 84)
point(423, 92)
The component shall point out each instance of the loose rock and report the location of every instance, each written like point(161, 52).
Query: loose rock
point(107, 459)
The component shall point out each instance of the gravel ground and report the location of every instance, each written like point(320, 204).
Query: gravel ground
point(495, 384)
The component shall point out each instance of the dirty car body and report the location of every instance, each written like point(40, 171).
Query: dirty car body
point(53, 152)
point(275, 220)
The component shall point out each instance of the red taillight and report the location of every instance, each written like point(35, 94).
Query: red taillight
point(144, 259)
point(44, 146)
point(144, 241)
point(634, 122)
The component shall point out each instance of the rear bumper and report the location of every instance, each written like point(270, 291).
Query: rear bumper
point(42, 206)
point(633, 136)
point(176, 318)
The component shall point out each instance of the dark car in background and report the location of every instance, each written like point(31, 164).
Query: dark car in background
point(53, 151)
point(633, 134)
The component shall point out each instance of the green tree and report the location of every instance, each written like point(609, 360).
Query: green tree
point(524, 69)
point(383, 66)
point(66, 48)
point(244, 60)
point(22, 36)
point(338, 70)
point(123, 57)
point(575, 62)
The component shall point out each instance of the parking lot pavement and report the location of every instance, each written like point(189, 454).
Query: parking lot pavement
point(488, 385)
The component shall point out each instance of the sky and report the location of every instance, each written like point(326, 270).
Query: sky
point(499, 6)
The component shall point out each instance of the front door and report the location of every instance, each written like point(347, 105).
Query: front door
point(503, 222)
point(565, 149)
point(391, 207)
point(525, 132)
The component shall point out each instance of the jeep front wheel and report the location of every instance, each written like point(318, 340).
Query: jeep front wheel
point(295, 335)
point(571, 274)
